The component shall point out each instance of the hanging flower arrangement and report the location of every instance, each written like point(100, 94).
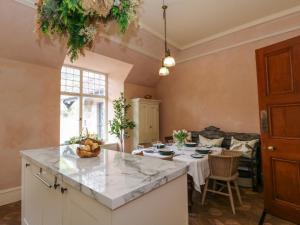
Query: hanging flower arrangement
point(79, 20)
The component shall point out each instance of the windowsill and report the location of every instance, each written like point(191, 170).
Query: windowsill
point(111, 146)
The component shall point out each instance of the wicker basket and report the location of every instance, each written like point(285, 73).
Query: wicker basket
point(94, 140)
point(88, 154)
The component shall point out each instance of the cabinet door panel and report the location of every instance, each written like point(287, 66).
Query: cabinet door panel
point(154, 123)
point(144, 124)
point(80, 209)
point(32, 197)
point(52, 207)
point(41, 204)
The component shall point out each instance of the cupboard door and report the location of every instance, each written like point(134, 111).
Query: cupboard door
point(41, 204)
point(80, 209)
point(32, 199)
point(144, 124)
point(153, 123)
point(52, 203)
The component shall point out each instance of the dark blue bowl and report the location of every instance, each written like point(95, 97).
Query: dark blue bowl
point(203, 151)
point(159, 146)
point(190, 144)
point(166, 152)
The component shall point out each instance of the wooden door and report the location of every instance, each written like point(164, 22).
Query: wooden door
point(278, 74)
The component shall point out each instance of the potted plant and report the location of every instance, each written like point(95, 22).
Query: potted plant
point(180, 137)
point(120, 124)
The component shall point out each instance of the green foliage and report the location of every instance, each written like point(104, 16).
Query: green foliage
point(74, 140)
point(120, 123)
point(78, 139)
point(180, 135)
point(121, 15)
point(68, 18)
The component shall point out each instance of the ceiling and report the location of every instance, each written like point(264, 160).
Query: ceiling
point(194, 21)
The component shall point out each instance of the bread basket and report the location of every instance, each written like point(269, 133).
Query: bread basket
point(88, 154)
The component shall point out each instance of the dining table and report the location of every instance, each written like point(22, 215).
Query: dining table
point(198, 167)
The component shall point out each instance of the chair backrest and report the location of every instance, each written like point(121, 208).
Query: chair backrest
point(144, 145)
point(225, 164)
point(169, 139)
point(139, 153)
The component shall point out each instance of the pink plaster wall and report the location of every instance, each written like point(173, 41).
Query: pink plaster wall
point(18, 41)
point(217, 89)
point(145, 69)
point(138, 91)
point(29, 96)
point(263, 30)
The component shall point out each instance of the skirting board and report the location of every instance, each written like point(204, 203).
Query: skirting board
point(10, 195)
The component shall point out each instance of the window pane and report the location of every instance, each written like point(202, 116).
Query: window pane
point(70, 80)
point(93, 83)
point(69, 117)
point(94, 116)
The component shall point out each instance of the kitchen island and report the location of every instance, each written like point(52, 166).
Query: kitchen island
point(59, 188)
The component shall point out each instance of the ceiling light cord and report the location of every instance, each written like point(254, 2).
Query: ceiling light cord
point(164, 7)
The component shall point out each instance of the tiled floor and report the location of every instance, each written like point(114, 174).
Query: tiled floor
point(10, 214)
point(216, 211)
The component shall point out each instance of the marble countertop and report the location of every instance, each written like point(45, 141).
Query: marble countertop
point(112, 178)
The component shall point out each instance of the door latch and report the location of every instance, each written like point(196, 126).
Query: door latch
point(264, 123)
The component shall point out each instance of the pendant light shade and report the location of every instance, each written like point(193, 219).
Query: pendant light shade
point(164, 71)
point(169, 61)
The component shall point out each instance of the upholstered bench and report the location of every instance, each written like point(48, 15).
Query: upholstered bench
point(250, 167)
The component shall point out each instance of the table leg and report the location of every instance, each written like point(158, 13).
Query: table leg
point(190, 191)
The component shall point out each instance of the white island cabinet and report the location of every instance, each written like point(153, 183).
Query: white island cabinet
point(58, 188)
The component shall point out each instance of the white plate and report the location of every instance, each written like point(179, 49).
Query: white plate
point(197, 156)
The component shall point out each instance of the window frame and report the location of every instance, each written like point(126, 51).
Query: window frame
point(81, 95)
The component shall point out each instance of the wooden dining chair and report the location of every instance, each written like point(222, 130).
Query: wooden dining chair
point(169, 139)
point(139, 153)
point(224, 167)
point(144, 145)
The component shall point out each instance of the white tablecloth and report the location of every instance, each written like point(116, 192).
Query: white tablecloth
point(198, 168)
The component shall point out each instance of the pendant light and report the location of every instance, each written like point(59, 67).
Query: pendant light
point(163, 71)
point(168, 61)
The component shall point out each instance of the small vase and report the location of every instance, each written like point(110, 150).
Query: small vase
point(179, 145)
point(121, 145)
